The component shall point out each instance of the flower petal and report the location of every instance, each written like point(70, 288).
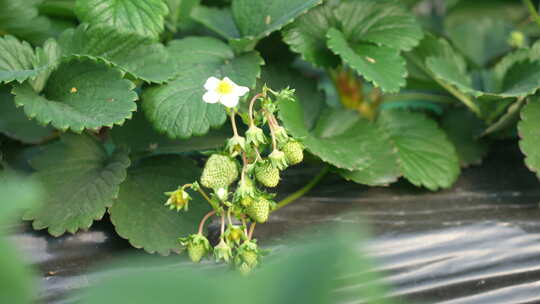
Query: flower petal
point(240, 91)
point(211, 97)
point(229, 100)
point(211, 84)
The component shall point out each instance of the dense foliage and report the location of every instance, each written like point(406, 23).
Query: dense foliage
point(101, 101)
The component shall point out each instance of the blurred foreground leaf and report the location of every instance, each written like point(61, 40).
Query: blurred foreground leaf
point(317, 270)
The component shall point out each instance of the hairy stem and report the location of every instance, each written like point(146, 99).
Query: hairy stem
point(251, 229)
point(233, 122)
point(272, 132)
point(245, 226)
point(207, 198)
point(532, 10)
point(229, 217)
point(251, 103)
point(222, 225)
point(293, 197)
point(204, 219)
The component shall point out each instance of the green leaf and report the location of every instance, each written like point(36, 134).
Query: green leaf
point(529, 133)
point(259, 18)
point(381, 170)
point(21, 19)
point(150, 141)
point(47, 60)
point(364, 22)
point(138, 56)
point(449, 72)
point(431, 46)
point(288, 276)
point(81, 182)
point(481, 41)
point(18, 194)
point(180, 11)
point(177, 108)
point(336, 136)
point(18, 281)
point(18, 61)
point(341, 138)
point(381, 22)
point(307, 36)
point(14, 124)
point(513, 76)
point(463, 129)
point(425, 155)
point(219, 20)
point(140, 215)
point(80, 95)
point(305, 90)
point(142, 17)
point(509, 79)
point(520, 80)
point(382, 66)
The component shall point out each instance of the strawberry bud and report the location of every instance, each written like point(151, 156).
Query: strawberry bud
point(255, 136)
point(234, 234)
point(281, 135)
point(235, 145)
point(178, 199)
point(278, 160)
point(223, 251)
point(220, 171)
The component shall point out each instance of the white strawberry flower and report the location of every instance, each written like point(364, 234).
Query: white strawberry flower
point(224, 91)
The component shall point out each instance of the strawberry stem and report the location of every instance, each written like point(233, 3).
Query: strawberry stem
point(222, 225)
point(251, 103)
point(293, 197)
point(204, 219)
point(201, 191)
point(251, 229)
point(233, 123)
point(272, 132)
point(532, 10)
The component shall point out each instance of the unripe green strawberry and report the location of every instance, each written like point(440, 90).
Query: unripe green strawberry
point(250, 257)
point(219, 172)
point(244, 269)
point(246, 201)
point(294, 152)
point(196, 251)
point(259, 210)
point(197, 246)
point(247, 257)
point(267, 175)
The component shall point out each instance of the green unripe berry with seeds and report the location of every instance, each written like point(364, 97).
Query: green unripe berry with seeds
point(259, 210)
point(294, 152)
point(267, 174)
point(220, 171)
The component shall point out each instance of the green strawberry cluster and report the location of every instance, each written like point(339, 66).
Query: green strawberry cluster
point(239, 176)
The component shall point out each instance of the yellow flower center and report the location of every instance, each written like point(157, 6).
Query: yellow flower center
point(224, 88)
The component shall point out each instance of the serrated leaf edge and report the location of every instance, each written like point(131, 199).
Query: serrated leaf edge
point(39, 225)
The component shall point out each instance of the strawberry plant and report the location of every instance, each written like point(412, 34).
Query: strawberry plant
point(109, 104)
